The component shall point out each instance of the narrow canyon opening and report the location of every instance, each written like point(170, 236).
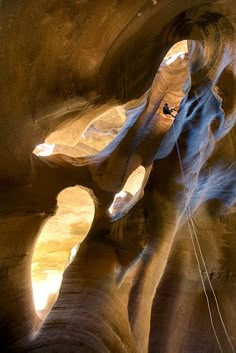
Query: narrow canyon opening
point(117, 176)
point(57, 245)
point(60, 237)
point(124, 200)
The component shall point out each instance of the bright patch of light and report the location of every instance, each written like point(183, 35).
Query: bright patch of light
point(43, 289)
point(73, 253)
point(44, 149)
point(173, 57)
point(121, 194)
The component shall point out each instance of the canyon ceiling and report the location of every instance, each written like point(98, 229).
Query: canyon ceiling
point(134, 211)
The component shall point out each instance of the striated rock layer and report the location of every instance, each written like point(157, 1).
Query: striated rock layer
point(159, 274)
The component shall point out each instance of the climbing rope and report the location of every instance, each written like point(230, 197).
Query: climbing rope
point(194, 238)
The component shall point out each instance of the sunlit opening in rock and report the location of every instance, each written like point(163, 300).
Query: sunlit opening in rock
point(58, 243)
point(170, 81)
point(44, 149)
point(130, 189)
point(70, 140)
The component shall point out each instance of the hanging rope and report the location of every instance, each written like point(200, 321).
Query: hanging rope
point(194, 239)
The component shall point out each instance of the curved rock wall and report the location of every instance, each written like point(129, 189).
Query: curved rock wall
point(162, 277)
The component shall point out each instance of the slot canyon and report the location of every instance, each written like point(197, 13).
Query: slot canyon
point(117, 217)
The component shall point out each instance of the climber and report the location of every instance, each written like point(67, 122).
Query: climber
point(167, 110)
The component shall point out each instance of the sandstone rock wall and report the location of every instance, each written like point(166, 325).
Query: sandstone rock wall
point(166, 283)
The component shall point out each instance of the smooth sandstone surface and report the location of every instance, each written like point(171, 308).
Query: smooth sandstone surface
point(148, 201)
